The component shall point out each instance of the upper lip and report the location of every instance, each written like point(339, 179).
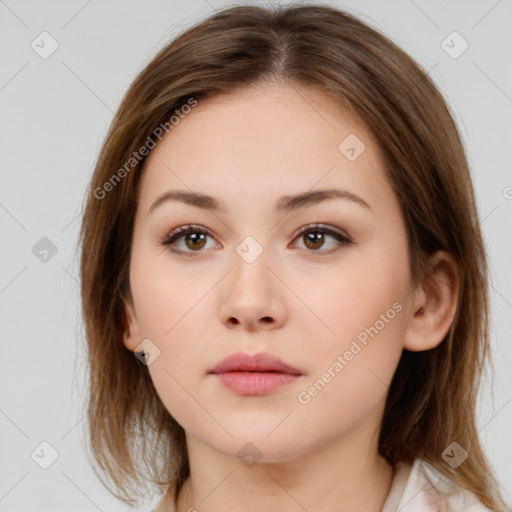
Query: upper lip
point(261, 362)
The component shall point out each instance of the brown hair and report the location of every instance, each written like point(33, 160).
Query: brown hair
point(432, 397)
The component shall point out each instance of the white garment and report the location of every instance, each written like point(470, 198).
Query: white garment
point(415, 488)
point(422, 488)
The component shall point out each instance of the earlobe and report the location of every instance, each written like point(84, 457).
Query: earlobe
point(130, 341)
point(131, 333)
point(434, 304)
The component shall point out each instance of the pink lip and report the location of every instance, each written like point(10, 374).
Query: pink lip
point(256, 374)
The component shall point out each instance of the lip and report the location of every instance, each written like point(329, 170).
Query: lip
point(256, 374)
point(261, 362)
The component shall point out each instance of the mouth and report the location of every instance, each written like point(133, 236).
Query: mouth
point(256, 374)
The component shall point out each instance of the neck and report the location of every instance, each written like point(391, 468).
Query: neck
point(344, 475)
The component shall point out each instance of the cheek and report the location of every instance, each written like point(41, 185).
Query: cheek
point(170, 313)
point(353, 368)
point(353, 297)
point(362, 304)
point(172, 305)
point(166, 295)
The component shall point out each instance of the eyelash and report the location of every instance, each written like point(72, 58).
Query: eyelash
point(193, 228)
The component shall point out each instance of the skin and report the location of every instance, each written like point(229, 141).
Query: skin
point(248, 148)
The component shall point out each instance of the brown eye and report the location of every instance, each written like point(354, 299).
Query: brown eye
point(195, 241)
point(315, 237)
point(194, 237)
point(314, 241)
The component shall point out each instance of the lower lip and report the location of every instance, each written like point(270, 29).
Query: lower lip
point(255, 383)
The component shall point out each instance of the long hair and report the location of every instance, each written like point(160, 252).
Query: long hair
point(431, 403)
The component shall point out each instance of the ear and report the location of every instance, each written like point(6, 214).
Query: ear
point(434, 304)
point(131, 336)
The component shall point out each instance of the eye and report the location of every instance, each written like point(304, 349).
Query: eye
point(195, 239)
point(314, 238)
point(193, 236)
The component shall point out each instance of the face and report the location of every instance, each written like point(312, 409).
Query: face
point(321, 283)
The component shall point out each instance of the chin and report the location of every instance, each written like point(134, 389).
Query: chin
point(254, 446)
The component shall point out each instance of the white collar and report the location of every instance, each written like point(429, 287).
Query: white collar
point(422, 488)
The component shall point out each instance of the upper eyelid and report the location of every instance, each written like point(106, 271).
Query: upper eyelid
point(319, 226)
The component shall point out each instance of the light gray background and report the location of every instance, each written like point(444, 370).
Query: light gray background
point(54, 114)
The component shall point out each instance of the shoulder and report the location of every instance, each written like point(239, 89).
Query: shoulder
point(428, 490)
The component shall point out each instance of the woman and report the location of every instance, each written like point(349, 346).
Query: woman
point(283, 278)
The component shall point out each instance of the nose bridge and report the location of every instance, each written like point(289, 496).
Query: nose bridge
point(251, 296)
point(250, 265)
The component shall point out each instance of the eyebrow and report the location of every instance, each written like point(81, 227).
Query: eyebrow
point(285, 203)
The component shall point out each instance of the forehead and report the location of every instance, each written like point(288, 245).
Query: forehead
point(262, 141)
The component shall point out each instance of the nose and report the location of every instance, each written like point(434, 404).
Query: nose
point(253, 297)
